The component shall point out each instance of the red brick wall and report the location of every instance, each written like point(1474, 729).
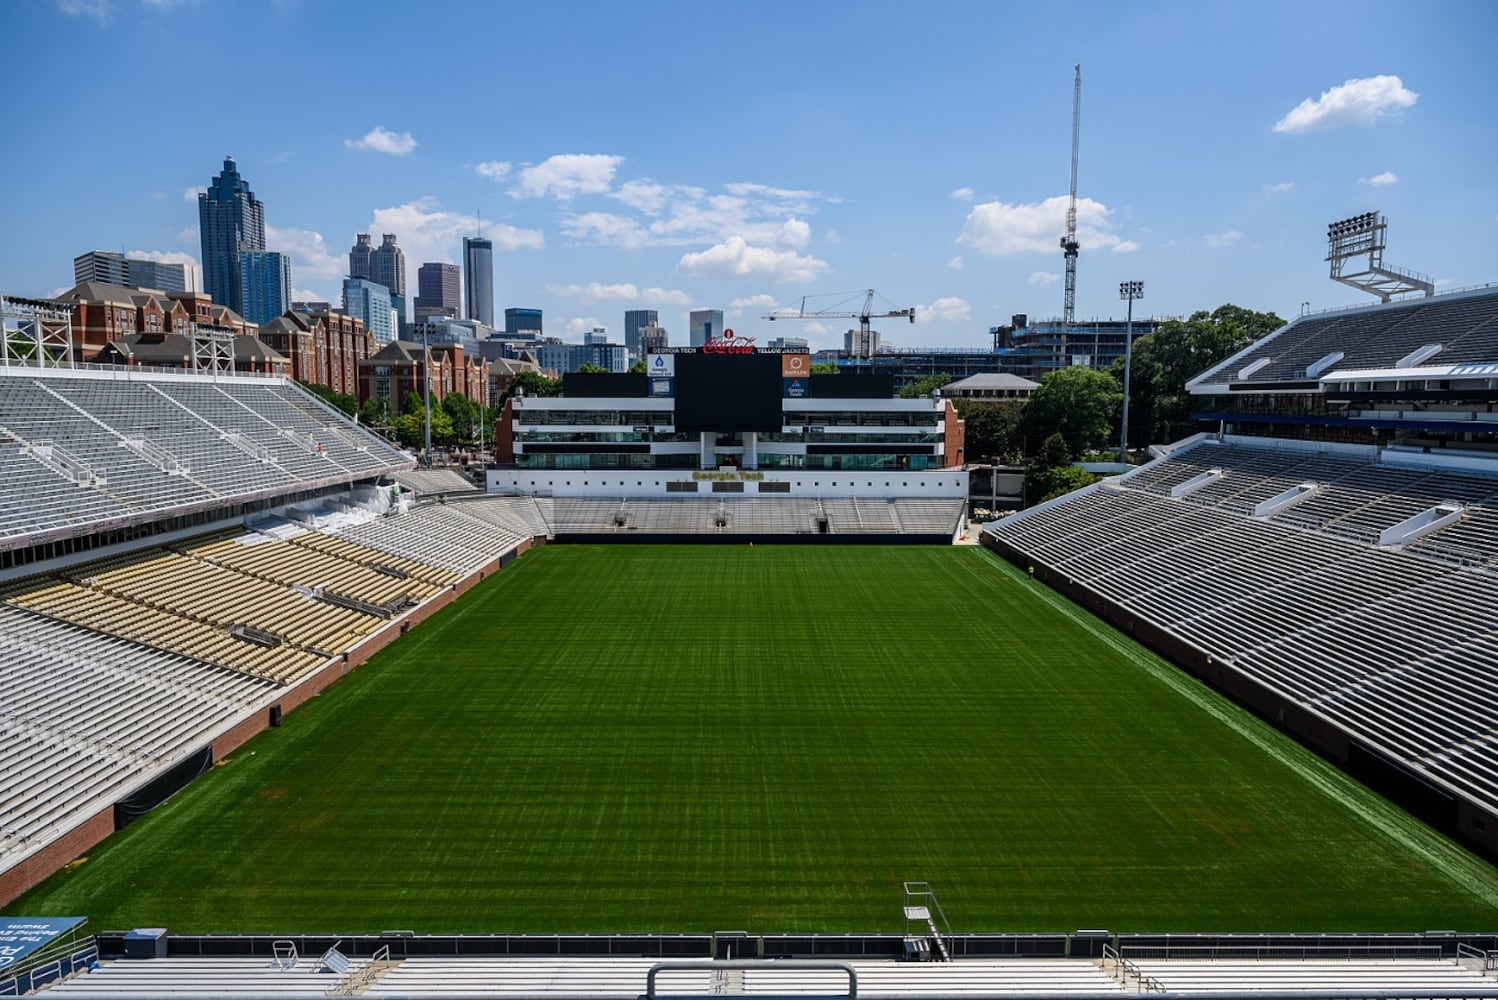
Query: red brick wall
point(35, 869)
point(956, 437)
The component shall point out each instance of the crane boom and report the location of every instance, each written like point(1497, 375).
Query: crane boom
point(863, 315)
point(1069, 244)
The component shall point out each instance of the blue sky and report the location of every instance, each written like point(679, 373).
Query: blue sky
point(741, 156)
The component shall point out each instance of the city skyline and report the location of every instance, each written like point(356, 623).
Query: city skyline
point(1216, 144)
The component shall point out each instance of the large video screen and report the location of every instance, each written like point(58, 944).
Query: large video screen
point(727, 392)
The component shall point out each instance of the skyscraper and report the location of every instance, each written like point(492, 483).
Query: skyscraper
point(154, 274)
point(523, 322)
point(388, 266)
point(634, 321)
point(264, 285)
point(360, 264)
point(439, 291)
point(704, 325)
point(230, 220)
point(369, 301)
point(478, 279)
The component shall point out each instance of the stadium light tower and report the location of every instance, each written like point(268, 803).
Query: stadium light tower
point(1129, 290)
point(1364, 236)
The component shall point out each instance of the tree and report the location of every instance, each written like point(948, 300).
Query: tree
point(825, 368)
point(375, 412)
point(348, 404)
point(1080, 404)
point(410, 429)
point(589, 368)
point(638, 368)
point(534, 384)
point(1052, 473)
point(992, 429)
point(925, 385)
point(1160, 408)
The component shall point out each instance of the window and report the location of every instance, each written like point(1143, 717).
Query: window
point(681, 486)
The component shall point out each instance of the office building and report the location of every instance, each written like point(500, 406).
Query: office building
point(478, 279)
point(109, 268)
point(703, 423)
point(369, 301)
point(439, 292)
point(636, 320)
point(704, 325)
point(360, 258)
point(264, 285)
point(653, 339)
point(523, 322)
point(231, 221)
point(791, 344)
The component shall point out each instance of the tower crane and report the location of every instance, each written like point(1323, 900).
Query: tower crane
point(1069, 244)
point(839, 310)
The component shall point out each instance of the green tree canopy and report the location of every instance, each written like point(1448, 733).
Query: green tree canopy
point(534, 384)
point(1078, 403)
point(589, 368)
point(638, 368)
point(925, 385)
point(992, 428)
point(1160, 408)
point(348, 404)
point(825, 368)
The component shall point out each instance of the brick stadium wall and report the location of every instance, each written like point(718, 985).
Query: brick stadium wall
point(50, 859)
point(1477, 828)
point(34, 870)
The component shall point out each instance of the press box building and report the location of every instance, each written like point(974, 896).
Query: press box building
point(728, 418)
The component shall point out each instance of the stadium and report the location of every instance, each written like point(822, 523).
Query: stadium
point(286, 715)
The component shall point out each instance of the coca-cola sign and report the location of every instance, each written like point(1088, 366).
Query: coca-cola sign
point(729, 344)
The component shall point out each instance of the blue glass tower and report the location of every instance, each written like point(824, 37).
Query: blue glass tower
point(265, 285)
point(230, 220)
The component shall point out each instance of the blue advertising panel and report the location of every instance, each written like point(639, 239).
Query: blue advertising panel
point(796, 388)
point(660, 387)
point(20, 936)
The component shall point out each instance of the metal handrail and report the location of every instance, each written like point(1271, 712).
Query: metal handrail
point(759, 965)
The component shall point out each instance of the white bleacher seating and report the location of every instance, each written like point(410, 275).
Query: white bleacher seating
point(1386, 643)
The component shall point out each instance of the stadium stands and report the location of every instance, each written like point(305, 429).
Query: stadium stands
point(91, 449)
point(750, 515)
point(1385, 642)
point(85, 715)
point(434, 482)
point(1464, 326)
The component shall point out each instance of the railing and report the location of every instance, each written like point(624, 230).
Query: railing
point(758, 965)
point(1127, 973)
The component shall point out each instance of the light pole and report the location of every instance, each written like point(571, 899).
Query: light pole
point(426, 399)
point(1129, 290)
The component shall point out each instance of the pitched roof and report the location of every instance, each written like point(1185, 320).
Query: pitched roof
point(991, 380)
point(98, 291)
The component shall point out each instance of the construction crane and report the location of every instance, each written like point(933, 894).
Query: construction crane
point(1069, 244)
point(839, 310)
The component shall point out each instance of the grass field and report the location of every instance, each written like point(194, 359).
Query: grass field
point(690, 738)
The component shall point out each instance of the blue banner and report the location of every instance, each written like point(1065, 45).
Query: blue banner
point(20, 936)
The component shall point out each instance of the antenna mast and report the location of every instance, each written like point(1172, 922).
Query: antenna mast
point(1069, 245)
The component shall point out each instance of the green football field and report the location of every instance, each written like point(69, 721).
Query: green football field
point(691, 738)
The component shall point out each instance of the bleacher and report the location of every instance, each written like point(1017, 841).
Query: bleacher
point(1464, 325)
point(1385, 642)
point(85, 449)
point(751, 515)
point(85, 715)
point(434, 482)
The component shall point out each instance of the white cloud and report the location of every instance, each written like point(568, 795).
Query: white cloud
point(99, 10)
point(1280, 188)
point(1383, 179)
point(962, 194)
point(309, 253)
point(955, 263)
point(1042, 279)
point(687, 215)
point(494, 170)
point(948, 307)
point(567, 175)
point(1126, 246)
point(190, 236)
point(763, 300)
point(627, 291)
point(579, 325)
point(997, 227)
point(1219, 240)
point(428, 233)
point(813, 328)
point(381, 140)
point(734, 258)
point(777, 200)
point(833, 236)
point(191, 194)
point(1356, 102)
point(307, 295)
